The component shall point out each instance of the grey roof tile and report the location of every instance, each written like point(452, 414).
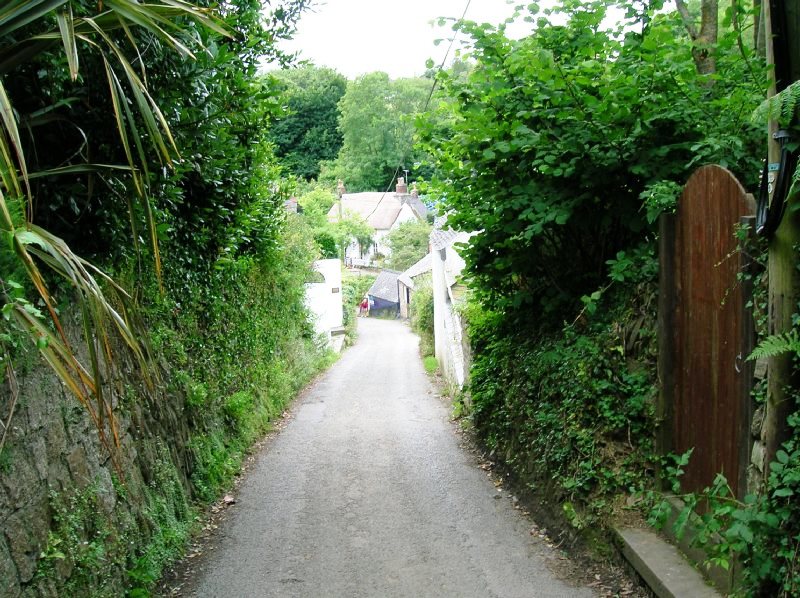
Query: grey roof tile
point(385, 286)
point(422, 266)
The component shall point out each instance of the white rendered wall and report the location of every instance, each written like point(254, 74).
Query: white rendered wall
point(447, 329)
point(324, 299)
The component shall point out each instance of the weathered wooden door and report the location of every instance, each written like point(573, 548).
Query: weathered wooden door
point(705, 331)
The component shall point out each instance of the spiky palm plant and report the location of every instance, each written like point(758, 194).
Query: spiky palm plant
point(106, 308)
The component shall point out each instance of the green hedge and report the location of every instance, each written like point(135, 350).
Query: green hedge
point(570, 413)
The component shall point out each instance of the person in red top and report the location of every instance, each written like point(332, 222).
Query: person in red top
point(363, 308)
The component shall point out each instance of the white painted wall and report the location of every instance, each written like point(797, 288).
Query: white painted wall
point(447, 327)
point(406, 214)
point(439, 306)
point(379, 243)
point(353, 253)
point(324, 299)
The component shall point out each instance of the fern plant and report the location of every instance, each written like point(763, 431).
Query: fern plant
point(781, 107)
point(777, 344)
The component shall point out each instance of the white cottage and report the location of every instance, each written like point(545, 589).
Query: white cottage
point(383, 212)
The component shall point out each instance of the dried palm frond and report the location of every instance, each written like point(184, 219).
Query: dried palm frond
point(35, 247)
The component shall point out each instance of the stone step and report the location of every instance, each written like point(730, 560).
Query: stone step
point(662, 566)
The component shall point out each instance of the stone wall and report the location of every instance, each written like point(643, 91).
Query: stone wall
point(60, 495)
point(757, 465)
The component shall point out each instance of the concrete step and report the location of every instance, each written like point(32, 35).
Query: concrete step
point(662, 566)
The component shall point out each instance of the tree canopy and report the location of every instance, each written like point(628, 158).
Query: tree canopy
point(378, 133)
point(308, 133)
point(408, 244)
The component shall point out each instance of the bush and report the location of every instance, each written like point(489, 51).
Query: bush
point(408, 244)
point(571, 412)
point(354, 287)
point(421, 314)
point(552, 142)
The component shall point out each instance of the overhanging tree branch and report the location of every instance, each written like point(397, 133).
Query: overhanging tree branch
point(688, 21)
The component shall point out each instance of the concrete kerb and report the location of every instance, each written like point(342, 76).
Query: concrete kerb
point(664, 569)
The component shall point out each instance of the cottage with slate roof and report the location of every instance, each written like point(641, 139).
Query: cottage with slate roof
point(383, 297)
point(383, 212)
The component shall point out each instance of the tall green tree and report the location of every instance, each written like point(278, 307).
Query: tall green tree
point(223, 200)
point(308, 133)
point(377, 125)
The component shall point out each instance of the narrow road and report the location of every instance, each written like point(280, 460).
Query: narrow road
point(366, 493)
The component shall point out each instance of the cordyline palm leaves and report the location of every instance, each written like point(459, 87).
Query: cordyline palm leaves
point(111, 33)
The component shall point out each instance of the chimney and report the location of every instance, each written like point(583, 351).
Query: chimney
point(402, 188)
point(414, 192)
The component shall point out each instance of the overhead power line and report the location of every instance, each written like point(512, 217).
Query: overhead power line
point(427, 103)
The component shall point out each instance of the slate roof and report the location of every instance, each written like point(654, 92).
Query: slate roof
point(385, 286)
point(418, 206)
point(421, 267)
point(378, 209)
point(442, 237)
point(447, 238)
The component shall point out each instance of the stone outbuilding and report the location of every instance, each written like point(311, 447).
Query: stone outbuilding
point(383, 298)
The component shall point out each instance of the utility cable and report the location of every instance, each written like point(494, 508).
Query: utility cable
point(425, 109)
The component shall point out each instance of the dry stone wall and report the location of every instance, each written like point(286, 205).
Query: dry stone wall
point(60, 495)
point(758, 433)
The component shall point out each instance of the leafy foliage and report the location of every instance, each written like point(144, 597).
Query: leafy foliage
point(377, 127)
point(777, 344)
point(759, 533)
point(48, 105)
point(353, 229)
point(421, 314)
point(332, 237)
point(408, 244)
point(307, 133)
point(554, 138)
point(182, 159)
point(315, 204)
point(570, 412)
point(354, 287)
point(561, 150)
point(781, 107)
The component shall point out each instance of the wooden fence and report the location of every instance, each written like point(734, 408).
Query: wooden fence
point(705, 331)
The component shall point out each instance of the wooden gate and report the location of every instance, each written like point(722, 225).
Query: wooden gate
point(705, 331)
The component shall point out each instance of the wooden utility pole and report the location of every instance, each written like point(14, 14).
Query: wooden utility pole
point(782, 24)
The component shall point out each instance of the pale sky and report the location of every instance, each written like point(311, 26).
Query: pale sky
point(360, 36)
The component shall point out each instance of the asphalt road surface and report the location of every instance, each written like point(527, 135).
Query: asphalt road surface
point(366, 493)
